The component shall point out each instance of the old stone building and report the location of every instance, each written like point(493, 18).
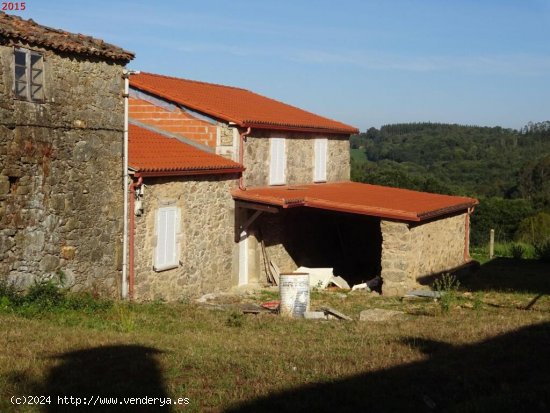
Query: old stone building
point(61, 124)
point(225, 184)
point(293, 205)
point(209, 117)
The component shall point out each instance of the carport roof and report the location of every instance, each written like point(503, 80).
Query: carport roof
point(357, 198)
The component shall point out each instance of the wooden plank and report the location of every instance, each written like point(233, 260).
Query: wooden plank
point(338, 314)
point(250, 221)
point(275, 272)
point(258, 207)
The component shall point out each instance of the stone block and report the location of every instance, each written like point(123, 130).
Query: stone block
point(23, 189)
point(394, 275)
point(6, 244)
point(4, 186)
point(68, 252)
point(49, 263)
point(393, 289)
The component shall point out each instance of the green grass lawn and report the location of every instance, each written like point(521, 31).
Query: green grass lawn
point(488, 353)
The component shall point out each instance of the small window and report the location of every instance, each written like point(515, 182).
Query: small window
point(13, 182)
point(29, 75)
point(166, 252)
point(320, 167)
point(277, 162)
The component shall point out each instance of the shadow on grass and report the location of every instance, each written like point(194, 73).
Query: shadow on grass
point(508, 373)
point(123, 371)
point(509, 275)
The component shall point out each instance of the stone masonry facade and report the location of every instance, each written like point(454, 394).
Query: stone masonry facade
point(209, 255)
point(207, 242)
point(299, 157)
point(413, 251)
point(60, 174)
point(299, 170)
point(205, 239)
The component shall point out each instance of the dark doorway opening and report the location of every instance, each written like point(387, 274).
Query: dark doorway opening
point(351, 244)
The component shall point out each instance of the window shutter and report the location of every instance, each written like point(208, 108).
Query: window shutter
point(320, 169)
point(277, 162)
point(166, 253)
point(37, 76)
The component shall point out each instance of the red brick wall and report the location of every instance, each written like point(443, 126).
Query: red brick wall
point(178, 122)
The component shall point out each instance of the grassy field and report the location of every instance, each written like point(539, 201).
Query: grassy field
point(488, 352)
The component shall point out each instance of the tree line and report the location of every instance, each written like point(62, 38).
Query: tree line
point(508, 170)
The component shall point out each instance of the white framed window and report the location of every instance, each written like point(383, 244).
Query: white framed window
point(28, 75)
point(277, 161)
point(320, 166)
point(166, 251)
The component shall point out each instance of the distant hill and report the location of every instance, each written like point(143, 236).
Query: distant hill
point(456, 159)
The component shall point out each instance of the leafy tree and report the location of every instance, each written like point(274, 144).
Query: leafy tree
point(534, 229)
point(502, 215)
point(502, 167)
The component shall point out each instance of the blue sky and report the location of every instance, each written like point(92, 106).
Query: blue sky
point(366, 63)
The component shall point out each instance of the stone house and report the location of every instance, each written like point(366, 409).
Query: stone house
point(224, 182)
point(208, 226)
point(61, 125)
point(182, 243)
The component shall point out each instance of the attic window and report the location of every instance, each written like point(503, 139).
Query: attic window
point(29, 75)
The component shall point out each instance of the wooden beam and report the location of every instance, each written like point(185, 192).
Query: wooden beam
point(244, 227)
point(258, 207)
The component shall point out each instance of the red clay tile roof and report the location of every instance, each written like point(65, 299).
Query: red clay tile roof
point(155, 154)
point(236, 105)
point(353, 197)
point(28, 31)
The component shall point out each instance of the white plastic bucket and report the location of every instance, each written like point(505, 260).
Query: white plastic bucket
point(294, 292)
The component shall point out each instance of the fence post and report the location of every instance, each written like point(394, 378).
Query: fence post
point(492, 244)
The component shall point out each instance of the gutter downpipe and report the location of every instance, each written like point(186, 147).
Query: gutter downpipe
point(467, 235)
point(243, 136)
point(131, 272)
point(124, 284)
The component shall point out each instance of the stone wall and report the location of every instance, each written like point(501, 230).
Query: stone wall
point(274, 230)
point(300, 157)
point(60, 175)
point(227, 142)
point(206, 240)
point(413, 251)
point(299, 170)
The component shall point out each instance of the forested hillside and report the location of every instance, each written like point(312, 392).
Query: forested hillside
point(508, 170)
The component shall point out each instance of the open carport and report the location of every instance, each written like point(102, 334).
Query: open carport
point(360, 230)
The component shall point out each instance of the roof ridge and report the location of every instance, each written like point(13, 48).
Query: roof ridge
point(195, 81)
